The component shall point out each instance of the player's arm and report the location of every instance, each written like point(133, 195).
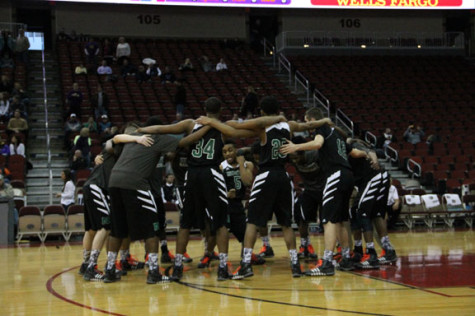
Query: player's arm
point(314, 144)
point(300, 127)
point(144, 140)
point(245, 170)
point(193, 137)
point(226, 130)
point(185, 126)
point(258, 122)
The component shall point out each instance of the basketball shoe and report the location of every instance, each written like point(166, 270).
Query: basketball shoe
point(266, 252)
point(243, 271)
point(154, 277)
point(325, 268)
point(92, 274)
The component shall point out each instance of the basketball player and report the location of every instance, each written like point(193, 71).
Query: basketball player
point(368, 182)
point(134, 211)
point(336, 194)
point(310, 200)
point(96, 202)
point(238, 174)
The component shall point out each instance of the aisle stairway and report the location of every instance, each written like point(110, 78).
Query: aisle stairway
point(402, 176)
point(38, 179)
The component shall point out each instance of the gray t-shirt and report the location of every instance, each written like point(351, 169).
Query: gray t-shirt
point(137, 162)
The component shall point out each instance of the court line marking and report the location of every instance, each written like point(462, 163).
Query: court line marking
point(49, 288)
point(299, 290)
point(191, 285)
point(401, 284)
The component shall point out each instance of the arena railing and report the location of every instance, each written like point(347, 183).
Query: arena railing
point(370, 138)
point(284, 63)
point(391, 154)
point(48, 139)
point(370, 40)
point(341, 119)
point(301, 81)
point(414, 167)
point(319, 100)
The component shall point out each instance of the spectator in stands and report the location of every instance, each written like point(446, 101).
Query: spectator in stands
point(105, 70)
point(153, 71)
point(221, 65)
point(100, 102)
point(16, 104)
point(167, 76)
point(74, 100)
point(17, 124)
point(122, 51)
point(206, 65)
point(80, 70)
point(4, 148)
point(128, 69)
point(180, 97)
point(169, 189)
point(83, 143)
point(178, 118)
point(21, 47)
point(108, 51)
point(187, 65)
point(141, 74)
point(4, 107)
point(72, 126)
point(91, 125)
point(20, 93)
point(91, 49)
point(69, 190)
point(6, 84)
point(78, 161)
point(413, 135)
point(105, 125)
point(384, 141)
point(16, 146)
point(249, 103)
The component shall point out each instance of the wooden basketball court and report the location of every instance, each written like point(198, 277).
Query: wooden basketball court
point(434, 275)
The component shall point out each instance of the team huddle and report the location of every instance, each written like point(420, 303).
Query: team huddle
point(121, 198)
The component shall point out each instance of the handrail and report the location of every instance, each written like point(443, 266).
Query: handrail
point(320, 99)
point(48, 146)
point(269, 49)
point(416, 164)
point(389, 149)
point(299, 79)
point(341, 117)
point(371, 138)
point(285, 63)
